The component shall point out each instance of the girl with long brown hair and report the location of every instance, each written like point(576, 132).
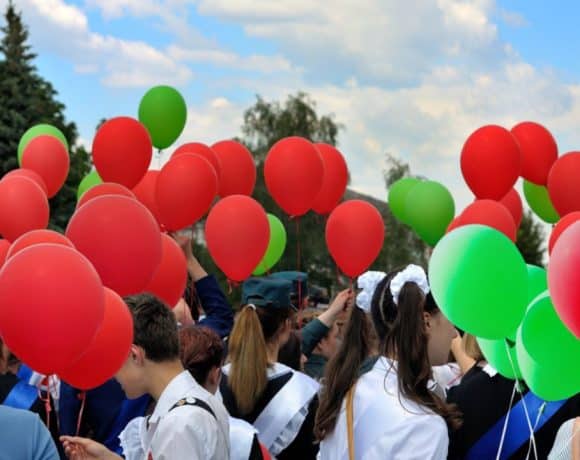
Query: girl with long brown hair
point(388, 409)
point(278, 401)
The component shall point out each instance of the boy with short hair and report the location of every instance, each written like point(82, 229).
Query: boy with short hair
point(188, 422)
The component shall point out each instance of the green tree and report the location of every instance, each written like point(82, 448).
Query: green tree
point(265, 123)
point(27, 99)
point(531, 240)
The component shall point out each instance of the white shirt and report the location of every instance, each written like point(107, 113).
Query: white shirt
point(386, 425)
point(185, 432)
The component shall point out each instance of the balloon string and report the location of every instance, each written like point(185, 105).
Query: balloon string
point(230, 288)
point(526, 412)
point(83, 397)
point(298, 254)
point(159, 154)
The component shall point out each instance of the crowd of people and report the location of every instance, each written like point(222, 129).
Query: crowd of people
point(379, 374)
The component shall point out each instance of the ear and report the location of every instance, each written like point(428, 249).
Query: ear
point(137, 355)
point(427, 319)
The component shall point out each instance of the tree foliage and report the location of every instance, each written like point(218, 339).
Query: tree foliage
point(28, 99)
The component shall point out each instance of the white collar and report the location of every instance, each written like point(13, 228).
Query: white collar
point(176, 390)
point(273, 371)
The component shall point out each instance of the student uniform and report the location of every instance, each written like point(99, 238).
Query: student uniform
point(188, 423)
point(284, 414)
point(484, 397)
point(386, 425)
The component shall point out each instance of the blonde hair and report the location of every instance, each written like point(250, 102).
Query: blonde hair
point(253, 328)
point(471, 347)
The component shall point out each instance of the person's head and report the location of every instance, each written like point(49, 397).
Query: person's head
point(263, 324)
point(328, 345)
point(202, 354)
point(414, 332)
point(290, 353)
point(299, 295)
point(155, 342)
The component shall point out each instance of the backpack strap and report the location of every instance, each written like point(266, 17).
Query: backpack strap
point(193, 402)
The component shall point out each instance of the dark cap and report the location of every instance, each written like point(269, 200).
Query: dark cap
point(267, 292)
point(299, 281)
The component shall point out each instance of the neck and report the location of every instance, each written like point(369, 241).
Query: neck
point(160, 375)
point(272, 352)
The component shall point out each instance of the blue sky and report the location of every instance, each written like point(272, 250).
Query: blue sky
point(411, 78)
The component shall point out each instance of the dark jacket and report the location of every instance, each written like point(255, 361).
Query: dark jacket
point(483, 400)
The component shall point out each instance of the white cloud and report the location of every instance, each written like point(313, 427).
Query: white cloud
point(513, 19)
point(218, 57)
point(63, 29)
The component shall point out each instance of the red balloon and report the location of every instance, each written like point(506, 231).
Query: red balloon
point(513, 203)
point(186, 187)
point(47, 156)
point(238, 170)
point(30, 174)
point(109, 349)
point(492, 214)
point(121, 239)
point(334, 179)
point(52, 306)
point(237, 232)
point(455, 223)
point(37, 237)
point(564, 277)
point(23, 207)
point(560, 227)
point(169, 280)
point(197, 148)
point(293, 171)
point(4, 248)
point(145, 192)
point(490, 162)
point(122, 151)
point(354, 235)
point(539, 151)
point(563, 183)
point(106, 188)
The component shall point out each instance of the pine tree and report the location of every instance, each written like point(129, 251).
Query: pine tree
point(28, 99)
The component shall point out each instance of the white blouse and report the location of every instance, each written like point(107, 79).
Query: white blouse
point(386, 424)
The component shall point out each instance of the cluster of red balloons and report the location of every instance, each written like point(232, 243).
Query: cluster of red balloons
point(492, 160)
point(24, 192)
point(302, 176)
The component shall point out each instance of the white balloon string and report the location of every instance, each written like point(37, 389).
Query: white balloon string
point(532, 436)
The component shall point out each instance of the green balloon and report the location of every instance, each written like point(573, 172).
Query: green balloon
point(398, 197)
point(547, 352)
point(39, 130)
point(88, 182)
point(430, 209)
point(480, 281)
point(538, 199)
point(163, 111)
point(276, 246)
point(502, 356)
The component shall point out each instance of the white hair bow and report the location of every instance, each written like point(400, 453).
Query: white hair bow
point(368, 282)
point(411, 274)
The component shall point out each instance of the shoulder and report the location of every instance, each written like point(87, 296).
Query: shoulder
point(9, 415)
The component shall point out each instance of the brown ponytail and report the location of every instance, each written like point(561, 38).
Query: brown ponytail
point(253, 329)
point(403, 336)
point(342, 371)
